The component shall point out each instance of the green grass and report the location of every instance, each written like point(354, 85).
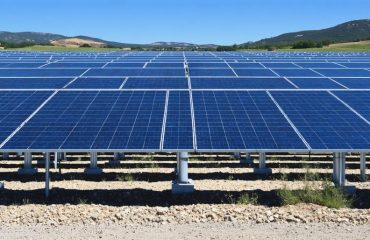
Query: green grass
point(243, 199)
point(64, 49)
point(329, 196)
point(125, 178)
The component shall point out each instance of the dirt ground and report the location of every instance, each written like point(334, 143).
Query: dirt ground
point(134, 201)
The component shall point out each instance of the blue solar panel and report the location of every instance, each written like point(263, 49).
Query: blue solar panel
point(125, 65)
point(315, 83)
point(358, 100)
point(249, 72)
point(324, 121)
point(156, 83)
point(344, 72)
point(27, 72)
point(319, 65)
point(240, 83)
point(16, 107)
point(96, 83)
point(165, 65)
point(298, 72)
point(33, 83)
point(211, 72)
point(95, 120)
point(245, 65)
point(354, 83)
point(74, 65)
point(178, 131)
point(241, 121)
point(132, 72)
point(20, 65)
point(357, 65)
point(280, 65)
point(207, 65)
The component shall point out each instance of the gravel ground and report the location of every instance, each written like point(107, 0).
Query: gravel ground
point(142, 207)
point(214, 231)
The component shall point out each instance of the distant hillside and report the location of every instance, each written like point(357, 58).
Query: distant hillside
point(76, 41)
point(346, 32)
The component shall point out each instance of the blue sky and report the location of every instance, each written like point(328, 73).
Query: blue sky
point(196, 21)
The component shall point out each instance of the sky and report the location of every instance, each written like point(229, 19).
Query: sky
point(221, 22)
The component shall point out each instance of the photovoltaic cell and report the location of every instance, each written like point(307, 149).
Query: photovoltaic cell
point(16, 107)
point(33, 83)
point(249, 72)
point(241, 120)
point(178, 131)
point(344, 72)
point(354, 83)
point(297, 72)
point(132, 72)
point(96, 83)
point(324, 121)
point(211, 72)
point(95, 120)
point(156, 83)
point(74, 65)
point(240, 83)
point(358, 100)
point(318, 65)
point(315, 83)
point(40, 72)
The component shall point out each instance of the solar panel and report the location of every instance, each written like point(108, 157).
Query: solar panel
point(156, 83)
point(298, 72)
point(318, 65)
point(344, 72)
point(33, 83)
point(39, 72)
point(241, 121)
point(132, 72)
point(315, 83)
point(207, 65)
point(16, 107)
point(165, 65)
point(354, 83)
point(358, 100)
point(245, 65)
point(324, 121)
point(357, 65)
point(125, 65)
point(95, 120)
point(280, 65)
point(240, 83)
point(96, 83)
point(74, 65)
point(211, 72)
point(20, 65)
point(178, 131)
point(255, 72)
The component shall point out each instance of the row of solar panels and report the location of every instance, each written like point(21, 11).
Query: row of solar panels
point(183, 83)
point(179, 64)
point(180, 72)
point(183, 120)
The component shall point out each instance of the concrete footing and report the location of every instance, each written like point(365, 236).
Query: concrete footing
point(5, 156)
point(182, 184)
point(262, 169)
point(248, 160)
point(93, 169)
point(182, 188)
point(116, 161)
point(27, 168)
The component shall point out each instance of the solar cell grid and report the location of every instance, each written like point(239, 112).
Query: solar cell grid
point(95, 120)
point(324, 121)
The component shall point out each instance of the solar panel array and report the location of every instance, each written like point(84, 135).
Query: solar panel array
point(184, 101)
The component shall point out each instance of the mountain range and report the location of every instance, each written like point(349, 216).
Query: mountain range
point(345, 32)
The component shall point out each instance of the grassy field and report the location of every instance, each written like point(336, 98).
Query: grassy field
point(64, 49)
